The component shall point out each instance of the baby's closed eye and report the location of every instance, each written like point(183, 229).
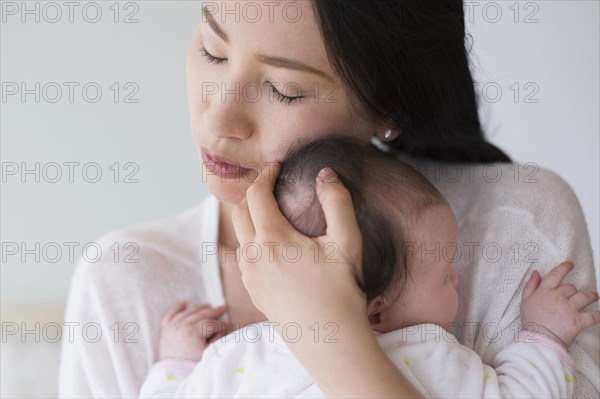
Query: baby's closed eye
point(447, 277)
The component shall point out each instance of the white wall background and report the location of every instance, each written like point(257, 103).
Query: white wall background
point(547, 50)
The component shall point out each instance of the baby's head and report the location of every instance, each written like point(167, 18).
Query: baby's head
point(404, 221)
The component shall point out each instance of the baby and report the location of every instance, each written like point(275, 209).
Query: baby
point(411, 293)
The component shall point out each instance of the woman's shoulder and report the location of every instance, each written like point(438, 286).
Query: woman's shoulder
point(167, 244)
point(179, 233)
point(133, 275)
point(522, 185)
point(525, 188)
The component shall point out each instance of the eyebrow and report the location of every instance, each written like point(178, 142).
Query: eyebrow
point(278, 62)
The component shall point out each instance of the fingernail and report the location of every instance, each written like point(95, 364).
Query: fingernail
point(327, 175)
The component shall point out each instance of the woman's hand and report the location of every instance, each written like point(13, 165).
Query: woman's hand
point(311, 282)
point(291, 277)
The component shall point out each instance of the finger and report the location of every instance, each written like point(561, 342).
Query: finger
point(567, 290)
point(220, 325)
point(202, 308)
point(583, 298)
point(532, 284)
point(262, 205)
point(339, 213)
point(185, 314)
point(242, 223)
point(556, 275)
point(168, 317)
point(588, 319)
point(218, 335)
point(210, 327)
point(212, 313)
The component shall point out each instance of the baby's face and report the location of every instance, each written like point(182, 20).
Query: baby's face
point(430, 295)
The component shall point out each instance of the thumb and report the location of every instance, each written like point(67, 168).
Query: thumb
point(532, 285)
point(340, 217)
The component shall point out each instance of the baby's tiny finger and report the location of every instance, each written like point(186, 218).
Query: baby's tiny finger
point(217, 336)
point(179, 306)
point(583, 299)
point(531, 285)
point(190, 311)
point(556, 275)
point(210, 327)
point(567, 290)
point(208, 313)
point(588, 319)
point(204, 308)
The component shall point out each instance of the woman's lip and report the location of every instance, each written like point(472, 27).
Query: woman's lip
point(219, 159)
point(218, 166)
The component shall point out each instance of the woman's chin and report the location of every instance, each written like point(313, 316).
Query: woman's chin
point(230, 192)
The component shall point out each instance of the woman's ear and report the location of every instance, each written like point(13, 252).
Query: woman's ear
point(386, 132)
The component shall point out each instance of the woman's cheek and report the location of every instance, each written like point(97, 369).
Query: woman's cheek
point(199, 75)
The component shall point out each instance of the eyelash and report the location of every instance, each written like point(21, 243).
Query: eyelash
point(210, 58)
point(280, 97)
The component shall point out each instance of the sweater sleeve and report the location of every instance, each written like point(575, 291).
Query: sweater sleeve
point(116, 303)
point(113, 347)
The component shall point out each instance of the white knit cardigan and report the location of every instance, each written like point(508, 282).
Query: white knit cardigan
point(512, 219)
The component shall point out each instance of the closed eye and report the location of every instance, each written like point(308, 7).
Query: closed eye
point(280, 97)
point(210, 58)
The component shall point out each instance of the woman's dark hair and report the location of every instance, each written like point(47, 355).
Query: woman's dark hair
point(407, 66)
point(388, 196)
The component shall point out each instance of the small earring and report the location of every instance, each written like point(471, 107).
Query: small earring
point(387, 134)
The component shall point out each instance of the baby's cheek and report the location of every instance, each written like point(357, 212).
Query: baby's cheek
point(453, 303)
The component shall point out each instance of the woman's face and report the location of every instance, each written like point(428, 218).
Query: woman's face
point(236, 115)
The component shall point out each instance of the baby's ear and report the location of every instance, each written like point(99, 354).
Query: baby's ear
point(375, 306)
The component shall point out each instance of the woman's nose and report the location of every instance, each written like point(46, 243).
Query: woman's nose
point(229, 115)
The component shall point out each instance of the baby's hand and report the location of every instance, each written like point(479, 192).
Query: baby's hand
point(553, 309)
point(186, 333)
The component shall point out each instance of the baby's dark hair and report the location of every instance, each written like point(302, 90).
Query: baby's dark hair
point(381, 186)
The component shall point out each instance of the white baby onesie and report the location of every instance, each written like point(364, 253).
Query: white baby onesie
point(256, 362)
